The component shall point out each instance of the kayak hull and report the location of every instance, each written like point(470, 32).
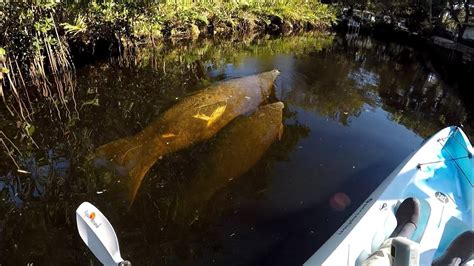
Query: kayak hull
point(440, 175)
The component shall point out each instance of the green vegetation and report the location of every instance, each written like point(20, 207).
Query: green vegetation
point(38, 38)
point(122, 95)
point(132, 90)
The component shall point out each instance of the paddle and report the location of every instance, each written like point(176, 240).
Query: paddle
point(99, 235)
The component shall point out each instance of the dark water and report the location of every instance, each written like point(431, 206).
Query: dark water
point(354, 109)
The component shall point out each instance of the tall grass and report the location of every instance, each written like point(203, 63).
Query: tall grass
point(34, 51)
point(39, 37)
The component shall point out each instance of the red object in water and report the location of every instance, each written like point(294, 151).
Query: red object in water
point(339, 201)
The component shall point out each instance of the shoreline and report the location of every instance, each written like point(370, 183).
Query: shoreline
point(44, 41)
point(43, 37)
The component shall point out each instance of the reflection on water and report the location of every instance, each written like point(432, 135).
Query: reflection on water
point(354, 108)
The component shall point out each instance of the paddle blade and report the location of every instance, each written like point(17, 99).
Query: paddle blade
point(98, 234)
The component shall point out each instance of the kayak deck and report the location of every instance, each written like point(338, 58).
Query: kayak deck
point(440, 176)
point(450, 181)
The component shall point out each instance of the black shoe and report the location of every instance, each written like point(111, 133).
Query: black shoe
point(407, 216)
point(460, 251)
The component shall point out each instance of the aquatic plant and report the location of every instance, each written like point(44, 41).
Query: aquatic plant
point(40, 39)
point(34, 52)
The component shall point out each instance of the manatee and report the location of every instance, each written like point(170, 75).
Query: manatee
point(194, 119)
point(236, 149)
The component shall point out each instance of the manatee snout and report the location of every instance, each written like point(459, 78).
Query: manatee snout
point(275, 73)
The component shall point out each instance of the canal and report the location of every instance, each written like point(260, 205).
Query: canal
point(354, 108)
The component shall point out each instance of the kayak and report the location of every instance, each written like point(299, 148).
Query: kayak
point(434, 185)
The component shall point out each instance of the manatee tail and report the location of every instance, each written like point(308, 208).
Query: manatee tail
point(128, 157)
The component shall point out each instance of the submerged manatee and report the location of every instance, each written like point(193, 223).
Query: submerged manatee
point(237, 148)
point(194, 119)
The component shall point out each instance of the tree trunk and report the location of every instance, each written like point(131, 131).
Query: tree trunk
point(430, 11)
point(467, 10)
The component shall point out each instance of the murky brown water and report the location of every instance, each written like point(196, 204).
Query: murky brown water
point(354, 108)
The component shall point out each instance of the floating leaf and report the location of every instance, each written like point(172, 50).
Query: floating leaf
point(23, 171)
point(216, 114)
point(168, 135)
point(94, 102)
point(201, 116)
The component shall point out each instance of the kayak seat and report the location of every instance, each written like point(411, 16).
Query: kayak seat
point(407, 215)
point(459, 251)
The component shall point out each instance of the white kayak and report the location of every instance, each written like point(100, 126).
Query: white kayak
point(440, 177)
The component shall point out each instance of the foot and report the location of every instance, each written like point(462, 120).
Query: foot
point(460, 251)
point(407, 215)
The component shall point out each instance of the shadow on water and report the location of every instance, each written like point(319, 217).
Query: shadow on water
point(354, 108)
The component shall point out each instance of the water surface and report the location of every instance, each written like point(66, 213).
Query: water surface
point(354, 109)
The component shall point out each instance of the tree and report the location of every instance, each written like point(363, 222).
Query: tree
point(457, 9)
